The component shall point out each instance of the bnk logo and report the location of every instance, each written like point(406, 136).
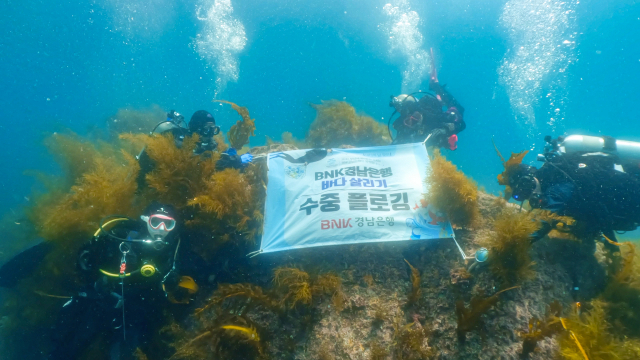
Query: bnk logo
point(335, 224)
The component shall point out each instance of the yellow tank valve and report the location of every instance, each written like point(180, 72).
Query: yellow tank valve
point(147, 270)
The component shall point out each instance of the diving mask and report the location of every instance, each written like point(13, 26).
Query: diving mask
point(159, 225)
point(210, 131)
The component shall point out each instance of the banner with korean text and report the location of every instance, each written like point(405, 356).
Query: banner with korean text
point(346, 196)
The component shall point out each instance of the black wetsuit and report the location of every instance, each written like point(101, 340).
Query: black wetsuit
point(97, 309)
point(587, 188)
point(435, 120)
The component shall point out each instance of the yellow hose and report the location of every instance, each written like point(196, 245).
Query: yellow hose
point(107, 223)
point(114, 275)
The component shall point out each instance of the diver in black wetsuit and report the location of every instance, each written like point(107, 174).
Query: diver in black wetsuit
point(426, 117)
point(130, 269)
point(585, 186)
point(590, 187)
point(203, 124)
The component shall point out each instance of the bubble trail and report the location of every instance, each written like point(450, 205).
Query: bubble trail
point(405, 39)
point(221, 39)
point(542, 48)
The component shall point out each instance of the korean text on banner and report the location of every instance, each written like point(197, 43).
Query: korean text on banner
point(348, 196)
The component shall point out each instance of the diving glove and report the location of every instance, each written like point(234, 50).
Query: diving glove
point(246, 158)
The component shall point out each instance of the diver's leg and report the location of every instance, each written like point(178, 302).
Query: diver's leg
point(78, 323)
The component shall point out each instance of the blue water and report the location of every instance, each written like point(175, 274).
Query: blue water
point(67, 65)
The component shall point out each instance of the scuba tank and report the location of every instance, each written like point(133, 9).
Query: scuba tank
point(624, 150)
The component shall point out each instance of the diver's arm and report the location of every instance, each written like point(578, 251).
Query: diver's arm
point(455, 112)
point(231, 159)
point(545, 229)
point(445, 96)
point(555, 200)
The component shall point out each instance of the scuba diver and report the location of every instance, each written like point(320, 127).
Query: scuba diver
point(130, 268)
point(591, 179)
point(425, 118)
point(203, 124)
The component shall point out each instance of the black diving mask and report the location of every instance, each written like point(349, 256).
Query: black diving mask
point(210, 131)
point(525, 187)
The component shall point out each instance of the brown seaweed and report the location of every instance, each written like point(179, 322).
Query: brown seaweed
point(337, 123)
point(589, 336)
point(540, 329)
point(509, 257)
point(452, 192)
point(510, 166)
point(241, 131)
point(471, 319)
point(416, 292)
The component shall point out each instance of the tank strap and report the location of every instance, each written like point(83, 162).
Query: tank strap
point(609, 144)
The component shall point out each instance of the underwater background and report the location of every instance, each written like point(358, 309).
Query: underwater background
point(522, 69)
point(72, 65)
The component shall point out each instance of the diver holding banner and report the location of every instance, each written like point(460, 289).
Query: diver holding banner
point(427, 117)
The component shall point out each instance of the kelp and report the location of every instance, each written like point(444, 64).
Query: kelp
point(224, 322)
point(589, 333)
point(224, 336)
point(509, 245)
point(178, 176)
point(239, 133)
point(297, 286)
point(416, 292)
point(337, 123)
point(230, 206)
point(452, 192)
point(246, 291)
point(108, 188)
point(471, 319)
point(622, 294)
point(509, 167)
point(96, 180)
point(226, 196)
point(539, 329)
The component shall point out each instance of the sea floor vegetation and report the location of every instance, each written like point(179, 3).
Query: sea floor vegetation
point(400, 300)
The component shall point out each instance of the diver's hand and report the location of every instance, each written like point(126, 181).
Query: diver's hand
point(246, 158)
point(231, 152)
point(438, 137)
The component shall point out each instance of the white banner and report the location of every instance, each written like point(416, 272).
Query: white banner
point(347, 196)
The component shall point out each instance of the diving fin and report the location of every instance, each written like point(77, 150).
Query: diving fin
point(23, 264)
point(434, 72)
